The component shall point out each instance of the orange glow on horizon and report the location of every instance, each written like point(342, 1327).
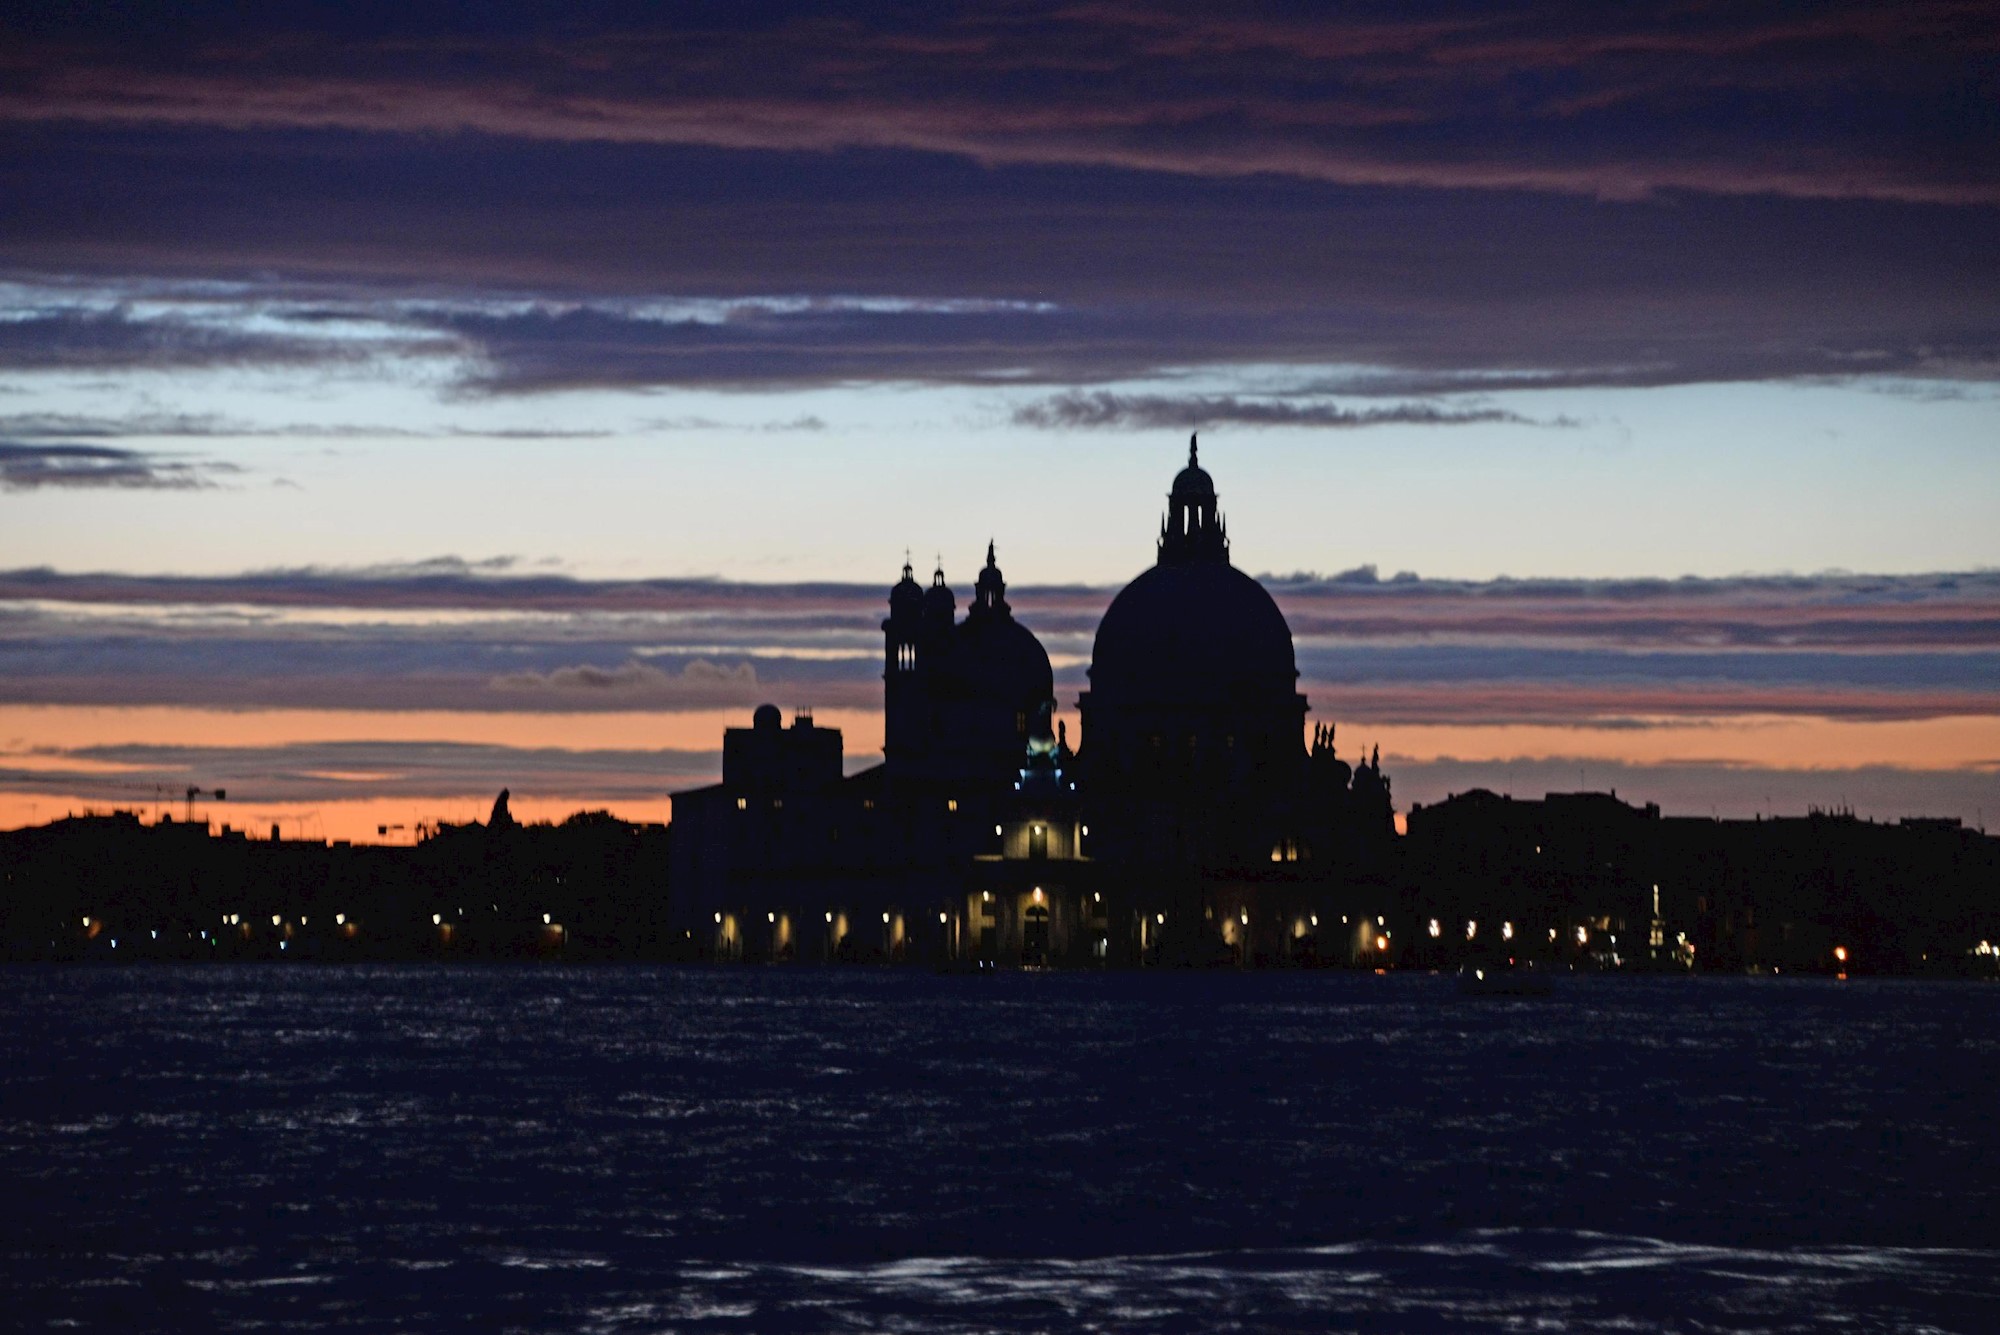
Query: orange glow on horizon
point(355, 821)
point(34, 738)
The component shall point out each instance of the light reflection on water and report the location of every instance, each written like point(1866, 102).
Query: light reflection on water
point(639, 1149)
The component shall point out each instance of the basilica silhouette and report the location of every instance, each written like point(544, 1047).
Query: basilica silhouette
point(1192, 823)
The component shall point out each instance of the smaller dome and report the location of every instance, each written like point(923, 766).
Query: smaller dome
point(908, 595)
point(939, 601)
point(767, 719)
point(997, 658)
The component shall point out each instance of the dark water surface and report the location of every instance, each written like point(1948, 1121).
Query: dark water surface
point(641, 1149)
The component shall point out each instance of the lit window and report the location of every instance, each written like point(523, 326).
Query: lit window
point(742, 804)
point(951, 804)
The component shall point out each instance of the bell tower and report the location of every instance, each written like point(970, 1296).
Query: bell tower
point(905, 673)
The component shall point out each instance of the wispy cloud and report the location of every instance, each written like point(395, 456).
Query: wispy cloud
point(1521, 97)
point(1137, 412)
point(42, 465)
point(498, 635)
point(636, 685)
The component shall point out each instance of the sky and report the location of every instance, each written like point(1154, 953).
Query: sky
point(398, 402)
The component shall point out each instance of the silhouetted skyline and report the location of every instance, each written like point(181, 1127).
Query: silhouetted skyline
point(392, 408)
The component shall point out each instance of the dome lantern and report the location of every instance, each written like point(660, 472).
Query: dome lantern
point(990, 593)
point(1193, 528)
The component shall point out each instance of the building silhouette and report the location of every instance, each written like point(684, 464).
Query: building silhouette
point(1198, 820)
point(1192, 823)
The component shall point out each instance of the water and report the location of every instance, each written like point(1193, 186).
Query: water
point(646, 1149)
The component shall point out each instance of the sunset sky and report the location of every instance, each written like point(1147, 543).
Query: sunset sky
point(398, 403)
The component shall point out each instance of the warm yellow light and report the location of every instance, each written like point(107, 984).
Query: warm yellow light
point(1434, 928)
point(1582, 935)
point(742, 804)
point(1379, 922)
point(274, 920)
point(951, 804)
point(1506, 931)
point(996, 829)
point(1096, 898)
point(86, 922)
point(1471, 929)
point(1381, 943)
point(1086, 829)
point(340, 920)
point(1160, 918)
point(1840, 953)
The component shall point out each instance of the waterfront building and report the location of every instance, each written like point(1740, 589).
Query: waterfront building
point(1193, 823)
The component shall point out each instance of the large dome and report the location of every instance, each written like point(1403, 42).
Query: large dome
point(1193, 633)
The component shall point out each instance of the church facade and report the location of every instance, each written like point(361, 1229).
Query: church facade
point(1193, 823)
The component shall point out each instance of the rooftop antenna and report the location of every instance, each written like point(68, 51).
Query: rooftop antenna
point(193, 792)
